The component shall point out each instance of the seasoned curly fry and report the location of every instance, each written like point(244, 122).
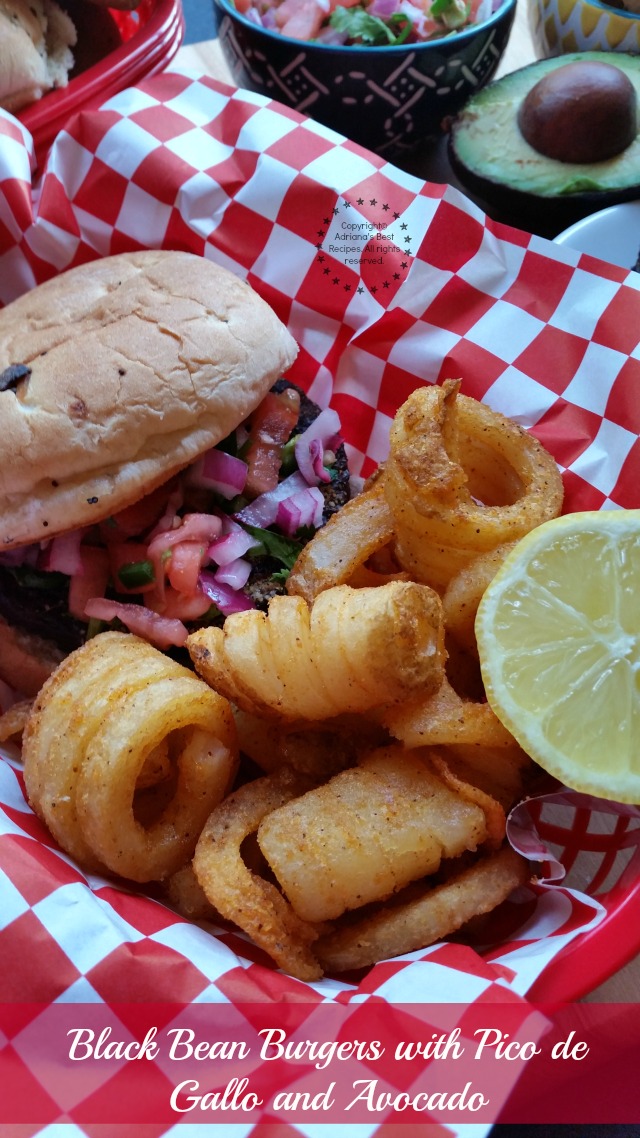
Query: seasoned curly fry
point(460, 480)
point(463, 593)
point(500, 771)
point(244, 897)
point(319, 750)
point(355, 649)
point(424, 916)
point(13, 721)
point(368, 832)
point(107, 718)
point(185, 893)
point(444, 717)
point(379, 825)
point(361, 528)
point(462, 782)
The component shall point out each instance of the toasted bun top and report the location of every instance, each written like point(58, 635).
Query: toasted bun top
point(133, 366)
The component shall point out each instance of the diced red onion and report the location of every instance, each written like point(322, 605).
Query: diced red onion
point(162, 631)
point(234, 573)
point(254, 15)
point(382, 8)
point(423, 27)
point(263, 510)
point(232, 546)
point(322, 434)
point(62, 555)
point(303, 508)
point(221, 472)
point(225, 598)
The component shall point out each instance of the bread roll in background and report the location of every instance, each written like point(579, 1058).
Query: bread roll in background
point(36, 38)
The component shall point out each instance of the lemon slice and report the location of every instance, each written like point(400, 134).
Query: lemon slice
point(558, 632)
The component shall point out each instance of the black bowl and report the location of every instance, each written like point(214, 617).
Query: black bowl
point(389, 99)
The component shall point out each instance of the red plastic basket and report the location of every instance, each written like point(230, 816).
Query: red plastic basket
point(604, 865)
point(145, 41)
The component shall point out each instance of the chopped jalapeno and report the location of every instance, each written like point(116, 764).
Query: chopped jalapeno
point(136, 573)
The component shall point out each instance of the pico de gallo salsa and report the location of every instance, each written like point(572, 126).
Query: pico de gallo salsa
point(220, 537)
point(375, 23)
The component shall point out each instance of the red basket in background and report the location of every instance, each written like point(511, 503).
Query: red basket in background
point(115, 50)
point(601, 856)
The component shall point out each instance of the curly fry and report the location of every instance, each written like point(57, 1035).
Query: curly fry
point(341, 547)
point(424, 915)
point(355, 649)
point(240, 895)
point(444, 717)
point(13, 721)
point(461, 598)
point(462, 479)
point(369, 831)
point(112, 722)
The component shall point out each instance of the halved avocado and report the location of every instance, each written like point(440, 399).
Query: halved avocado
point(518, 183)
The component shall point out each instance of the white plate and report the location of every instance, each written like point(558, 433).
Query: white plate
point(612, 234)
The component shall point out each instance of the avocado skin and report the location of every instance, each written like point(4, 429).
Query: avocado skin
point(513, 182)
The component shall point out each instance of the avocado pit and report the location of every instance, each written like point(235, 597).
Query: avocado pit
point(583, 111)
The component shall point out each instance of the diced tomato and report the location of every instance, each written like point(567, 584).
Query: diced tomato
point(200, 529)
point(302, 20)
point(184, 565)
point(139, 517)
point(91, 582)
point(274, 419)
point(177, 606)
point(203, 528)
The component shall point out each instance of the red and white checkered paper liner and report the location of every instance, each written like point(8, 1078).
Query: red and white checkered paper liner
point(433, 290)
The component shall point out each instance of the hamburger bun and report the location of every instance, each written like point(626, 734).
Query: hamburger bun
point(36, 37)
point(117, 374)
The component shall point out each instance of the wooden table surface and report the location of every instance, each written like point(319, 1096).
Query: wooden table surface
point(623, 986)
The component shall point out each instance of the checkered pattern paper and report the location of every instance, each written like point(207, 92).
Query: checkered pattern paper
point(386, 282)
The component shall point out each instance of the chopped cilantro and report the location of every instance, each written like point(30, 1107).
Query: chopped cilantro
point(284, 549)
point(280, 577)
point(289, 463)
point(453, 13)
point(359, 25)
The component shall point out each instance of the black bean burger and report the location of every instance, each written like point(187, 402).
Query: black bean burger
point(157, 470)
